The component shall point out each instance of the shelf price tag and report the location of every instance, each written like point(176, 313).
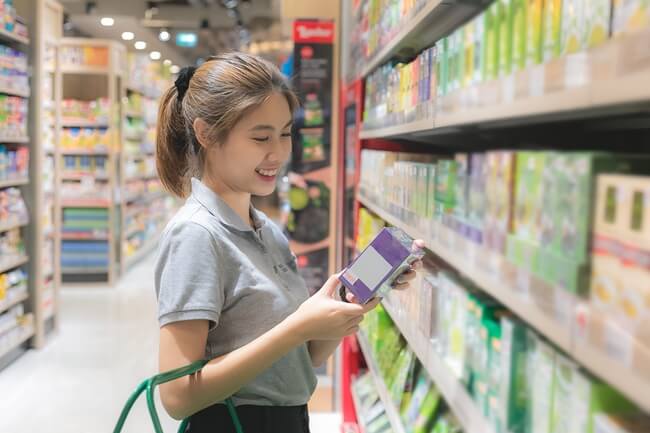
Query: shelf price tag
point(523, 283)
point(576, 73)
point(508, 89)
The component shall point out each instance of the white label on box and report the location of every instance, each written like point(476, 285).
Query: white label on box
point(371, 268)
point(508, 88)
point(576, 72)
point(618, 344)
point(537, 81)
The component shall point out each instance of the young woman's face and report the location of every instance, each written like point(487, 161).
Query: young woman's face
point(255, 150)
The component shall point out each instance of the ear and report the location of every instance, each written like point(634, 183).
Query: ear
point(201, 132)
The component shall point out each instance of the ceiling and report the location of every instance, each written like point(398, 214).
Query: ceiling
point(221, 25)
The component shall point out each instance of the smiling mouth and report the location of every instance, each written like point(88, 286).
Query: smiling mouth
point(267, 173)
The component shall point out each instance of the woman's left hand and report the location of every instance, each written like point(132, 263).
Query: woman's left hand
point(403, 281)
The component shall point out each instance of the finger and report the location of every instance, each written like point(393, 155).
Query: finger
point(418, 244)
point(352, 330)
point(330, 288)
point(406, 277)
point(417, 265)
point(351, 310)
point(352, 298)
point(354, 321)
point(401, 286)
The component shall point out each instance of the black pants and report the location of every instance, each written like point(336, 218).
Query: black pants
point(254, 419)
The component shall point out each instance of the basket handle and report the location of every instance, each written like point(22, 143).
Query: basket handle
point(150, 385)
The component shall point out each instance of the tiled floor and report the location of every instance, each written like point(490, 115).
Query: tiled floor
point(106, 345)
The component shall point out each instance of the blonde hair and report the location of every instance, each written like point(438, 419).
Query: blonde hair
point(219, 92)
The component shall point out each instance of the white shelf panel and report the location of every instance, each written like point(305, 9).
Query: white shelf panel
point(27, 333)
point(13, 139)
point(9, 36)
point(7, 265)
point(7, 304)
point(453, 391)
point(23, 93)
point(12, 225)
point(13, 182)
point(384, 395)
point(551, 311)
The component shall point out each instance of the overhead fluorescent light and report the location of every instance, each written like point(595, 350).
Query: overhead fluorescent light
point(128, 36)
point(140, 45)
point(164, 35)
point(167, 62)
point(154, 55)
point(107, 21)
point(174, 69)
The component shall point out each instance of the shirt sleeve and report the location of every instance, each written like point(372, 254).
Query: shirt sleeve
point(187, 276)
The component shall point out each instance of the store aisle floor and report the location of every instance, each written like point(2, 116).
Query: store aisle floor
point(106, 345)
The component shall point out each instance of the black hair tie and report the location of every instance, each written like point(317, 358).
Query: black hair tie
point(183, 81)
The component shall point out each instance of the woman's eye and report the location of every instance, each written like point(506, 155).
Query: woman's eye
point(261, 139)
point(286, 134)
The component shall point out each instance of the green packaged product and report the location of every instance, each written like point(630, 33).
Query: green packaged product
point(598, 15)
point(513, 391)
point(542, 372)
point(573, 26)
point(492, 27)
point(552, 31)
point(420, 392)
point(425, 418)
point(447, 423)
point(528, 195)
point(565, 371)
point(518, 35)
point(479, 51)
point(534, 20)
point(506, 21)
point(445, 185)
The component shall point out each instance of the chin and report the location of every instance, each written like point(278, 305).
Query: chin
point(263, 192)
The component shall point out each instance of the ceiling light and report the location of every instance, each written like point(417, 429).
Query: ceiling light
point(128, 36)
point(167, 62)
point(174, 69)
point(140, 45)
point(164, 35)
point(107, 21)
point(154, 55)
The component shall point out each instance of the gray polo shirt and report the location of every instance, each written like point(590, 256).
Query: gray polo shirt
point(213, 266)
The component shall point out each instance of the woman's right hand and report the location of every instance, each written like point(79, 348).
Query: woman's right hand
point(323, 317)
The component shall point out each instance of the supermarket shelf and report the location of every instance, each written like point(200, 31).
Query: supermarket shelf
point(134, 137)
point(398, 130)
point(72, 152)
point(357, 409)
point(12, 37)
point(7, 265)
point(454, 392)
point(549, 310)
point(391, 411)
point(84, 124)
point(71, 237)
point(13, 182)
point(135, 89)
point(24, 93)
point(80, 69)
point(434, 20)
point(140, 253)
point(86, 203)
point(5, 305)
point(84, 270)
point(80, 176)
point(12, 225)
point(146, 198)
point(131, 113)
point(140, 178)
point(28, 333)
point(13, 139)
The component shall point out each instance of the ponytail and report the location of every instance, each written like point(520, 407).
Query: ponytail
point(172, 144)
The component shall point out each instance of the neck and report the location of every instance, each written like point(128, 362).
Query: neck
point(240, 202)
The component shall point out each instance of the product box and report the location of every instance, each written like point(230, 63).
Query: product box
point(598, 15)
point(445, 186)
point(431, 191)
point(461, 208)
point(590, 396)
point(477, 200)
point(499, 194)
point(518, 35)
point(422, 388)
point(573, 26)
point(562, 417)
point(425, 418)
point(492, 27)
point(452, 319)
point(552, 30)
point(376, 268)
point(528, 195)
point(513, 390)
point(534, 25)
point(506, 21)
point(542, 392)
point(479, 49)
point(630, 16)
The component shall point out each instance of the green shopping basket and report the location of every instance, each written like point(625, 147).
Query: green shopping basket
point(150, 385)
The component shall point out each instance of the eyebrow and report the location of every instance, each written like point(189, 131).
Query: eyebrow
point(269, 127)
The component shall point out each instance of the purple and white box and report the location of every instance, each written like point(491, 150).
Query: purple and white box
point(373, 272)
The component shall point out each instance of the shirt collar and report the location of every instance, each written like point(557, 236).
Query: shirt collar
point(219, 208)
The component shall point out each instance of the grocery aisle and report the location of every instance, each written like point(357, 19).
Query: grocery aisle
point(107, 343)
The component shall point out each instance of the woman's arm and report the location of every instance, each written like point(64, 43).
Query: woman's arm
point(321, 317)
point(321, 350)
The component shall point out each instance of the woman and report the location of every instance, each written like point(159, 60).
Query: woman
point(227, 284)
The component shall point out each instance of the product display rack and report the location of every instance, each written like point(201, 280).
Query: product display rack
point(87, 70)
point(605, 82)
point(17, 301)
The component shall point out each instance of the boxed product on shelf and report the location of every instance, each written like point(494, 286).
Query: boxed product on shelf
point(492, 40)
point(85, 222)
point(506, 23)
point(83, 56)
point(13, 69)
point(630, 16)
point(574, 26)
point(376, 268)
point(95, 111)
point(12, 207)
point(534, 29)
point(552, 30)
point(12, 285)
point(598, 16)
point(85, 191)
point(13, 116)
point(12, 245)
point(14, 162)
point(86, 139)
point(88, 255)
point(541, 364)
point(519, 29)
point(563, 398)
point(91, 165)
point(499, 195)
point(513, 391)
